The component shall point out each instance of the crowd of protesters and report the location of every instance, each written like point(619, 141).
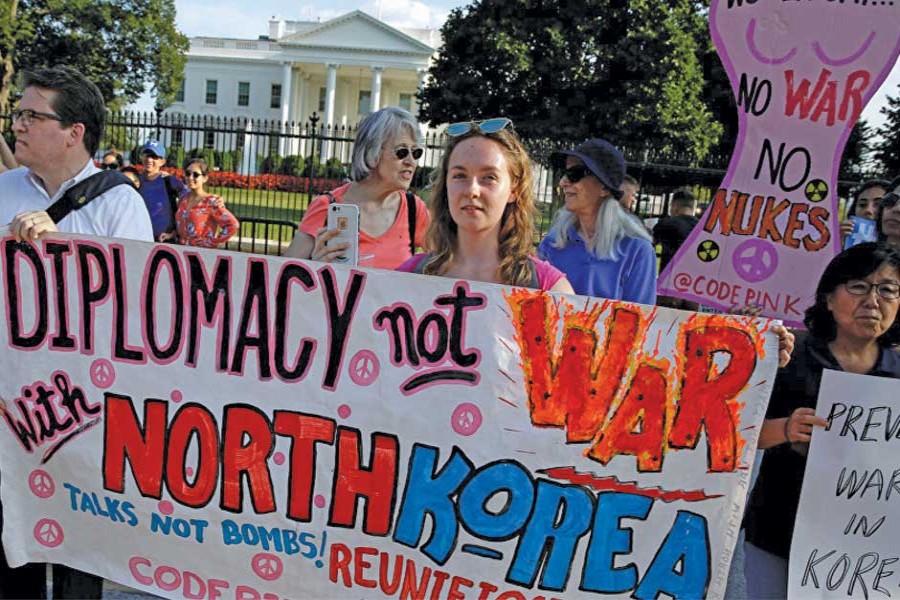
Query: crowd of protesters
point(477, 226)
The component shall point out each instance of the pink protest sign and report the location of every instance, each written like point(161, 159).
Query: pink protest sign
point(802, 73)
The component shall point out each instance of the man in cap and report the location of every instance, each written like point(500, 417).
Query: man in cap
point(159, 190)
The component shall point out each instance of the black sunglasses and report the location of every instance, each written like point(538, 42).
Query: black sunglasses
point(113, 166)
point(889, 200)
point(575, 173)
point(402, 153)
point(193, 174)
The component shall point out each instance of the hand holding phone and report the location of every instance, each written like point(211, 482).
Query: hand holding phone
point(343, 225)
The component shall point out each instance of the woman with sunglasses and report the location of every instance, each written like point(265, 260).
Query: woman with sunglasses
point(602, 251)
point(392, 220)
point(482, 212)
point(201, 219)
point(889, 215)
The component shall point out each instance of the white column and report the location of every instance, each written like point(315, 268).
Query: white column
point(302, 103)
point(285, 104)
point(422, 73)
point(330, 89)
point(376, 88)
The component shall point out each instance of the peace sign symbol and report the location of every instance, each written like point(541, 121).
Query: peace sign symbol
point(466, 419)
point(48, 533)
point(364, 367)
point(755, 260)
point(816, 190)
point(41, 484)
point(267, 566)
point(103, 374)
point(708, 251)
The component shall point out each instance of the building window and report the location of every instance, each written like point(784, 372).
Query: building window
point(177, 137)
point(179, 95)
point(212, 91)
point(243, 93)
point(209, 138)
point(276, 96)
point(406, 102)
point(365, 102)
point(322, 92)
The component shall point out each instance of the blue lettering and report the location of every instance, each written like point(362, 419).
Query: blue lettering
point(609, 539)
point(490, 480)
point(681, 566)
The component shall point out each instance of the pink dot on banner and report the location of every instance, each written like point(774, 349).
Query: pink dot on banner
point(165, 507)
point(176, 396)
point(319, 500)
point(466, 419)
point(189, 471)
point(344, 411)
point(278, 458)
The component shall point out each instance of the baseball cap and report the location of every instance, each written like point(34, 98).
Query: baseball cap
point(601, 158)
point(154, 147)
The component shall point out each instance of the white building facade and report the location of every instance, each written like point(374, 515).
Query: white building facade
point(341, 69)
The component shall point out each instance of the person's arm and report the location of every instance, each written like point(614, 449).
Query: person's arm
point(7, 160)
point(640, 285)
point(29, 226)
point(301, 246)
point(563, 287)
point(226, 221)
point(797, 428)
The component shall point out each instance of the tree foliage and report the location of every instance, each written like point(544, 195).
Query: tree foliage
point(631, 72)
point(856, 151)
point(887, 149)
point(121, 45)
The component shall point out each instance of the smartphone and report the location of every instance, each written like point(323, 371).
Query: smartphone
point(345, 218)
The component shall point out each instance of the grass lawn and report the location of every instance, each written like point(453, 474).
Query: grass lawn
point(264, 204)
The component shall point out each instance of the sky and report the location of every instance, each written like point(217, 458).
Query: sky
point(247, 20)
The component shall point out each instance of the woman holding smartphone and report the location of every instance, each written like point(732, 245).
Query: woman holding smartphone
point(482, 213)
point(392, 221)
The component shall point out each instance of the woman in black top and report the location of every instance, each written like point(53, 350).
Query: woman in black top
point(853, 327)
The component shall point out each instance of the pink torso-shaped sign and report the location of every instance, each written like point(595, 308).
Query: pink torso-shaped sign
point(802, 73)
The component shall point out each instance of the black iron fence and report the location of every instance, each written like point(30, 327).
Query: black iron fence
point(268, 171)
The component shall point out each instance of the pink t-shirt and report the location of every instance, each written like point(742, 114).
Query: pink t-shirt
point(547, 274)
point(384, 252)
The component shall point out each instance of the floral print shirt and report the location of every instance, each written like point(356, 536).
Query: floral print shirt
point(208, 224)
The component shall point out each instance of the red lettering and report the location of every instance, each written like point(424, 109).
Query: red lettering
point(376, 484)
point(411, 589)
point(305, 432)
point(360, 564)
point(390, 587)
point(768, 227)
point(143, 447)
point(800, 95)
point(439, 578)
point(818, 218)
point(239, 458)
point(722, 211)
point(189, 420)
point(739, 228)
point(853, 89)
point(454, 593)
point(794, 223)
point(827, 104)
point(339, 561)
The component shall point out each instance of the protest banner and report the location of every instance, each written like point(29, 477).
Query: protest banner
point(202, 424)
point(845, 536)
point(772, 226)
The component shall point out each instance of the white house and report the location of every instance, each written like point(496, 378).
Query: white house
point(341, 69)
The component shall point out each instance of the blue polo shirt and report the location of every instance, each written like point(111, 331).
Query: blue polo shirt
point(156, 198)
point(631, 277)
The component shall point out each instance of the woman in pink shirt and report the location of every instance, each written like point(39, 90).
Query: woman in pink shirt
point(392, 220)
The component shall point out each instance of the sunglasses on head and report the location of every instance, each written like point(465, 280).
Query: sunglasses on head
point(890, 200)
point(402, 153)
point(575, 173)
point(109, 166)
point(487, 126)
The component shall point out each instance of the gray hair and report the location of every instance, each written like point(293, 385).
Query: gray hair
point(613, 224)
point(374, 132)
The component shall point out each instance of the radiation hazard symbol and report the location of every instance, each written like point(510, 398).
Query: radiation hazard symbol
point(708, 251)
point(816, 190)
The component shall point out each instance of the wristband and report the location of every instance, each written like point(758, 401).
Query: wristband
point(787, 424)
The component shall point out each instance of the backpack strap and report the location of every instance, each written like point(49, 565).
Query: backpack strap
point(420, 267)
point(411, 220)
point(331, 200)
point(82, 193)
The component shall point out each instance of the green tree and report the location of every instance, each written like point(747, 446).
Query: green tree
point(856, 152)
point(887, 149)
point(121, 45)
point(631, 73)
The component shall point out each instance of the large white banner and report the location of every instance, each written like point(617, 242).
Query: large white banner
point(201, 424)
point(848, 523)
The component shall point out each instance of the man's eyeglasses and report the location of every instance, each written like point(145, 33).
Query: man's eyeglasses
point(575, 173)
point(193, 174)
point(113, 166)
point(889, 200)
point(402, 153)
point(28, 116)
point(888, 291)
point(487, 126)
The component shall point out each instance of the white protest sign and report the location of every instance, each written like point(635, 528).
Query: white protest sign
point(848, 522)
point(202, 424)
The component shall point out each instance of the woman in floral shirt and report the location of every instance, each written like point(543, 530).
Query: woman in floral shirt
point(201, 218)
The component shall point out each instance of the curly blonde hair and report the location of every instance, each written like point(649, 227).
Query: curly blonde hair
point(516, 224)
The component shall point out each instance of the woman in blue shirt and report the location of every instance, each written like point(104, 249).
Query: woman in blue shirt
point(602, 250)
